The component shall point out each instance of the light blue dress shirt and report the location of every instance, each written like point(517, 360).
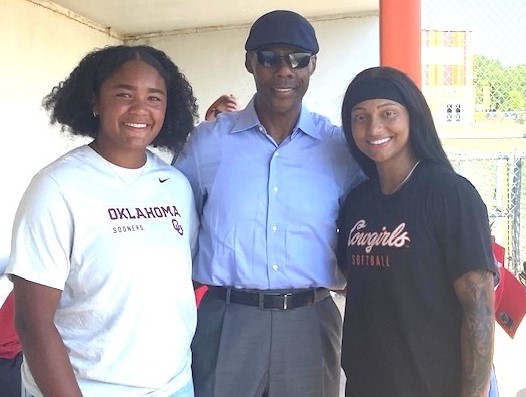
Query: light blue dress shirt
point(268, 212)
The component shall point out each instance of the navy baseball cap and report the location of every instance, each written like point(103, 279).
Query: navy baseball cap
point(282, 27)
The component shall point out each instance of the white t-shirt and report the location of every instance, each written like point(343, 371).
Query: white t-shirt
point(121, 252)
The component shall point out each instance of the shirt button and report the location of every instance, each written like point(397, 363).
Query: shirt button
point(275, 267)
point(274, 228)
point(275, 189)
point(276, 154)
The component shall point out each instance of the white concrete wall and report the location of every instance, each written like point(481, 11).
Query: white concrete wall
point(213, 61)
point(39, 47)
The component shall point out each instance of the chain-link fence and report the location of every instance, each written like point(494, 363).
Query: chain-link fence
point(474, 79)
point(475, 51)
point(500, 180)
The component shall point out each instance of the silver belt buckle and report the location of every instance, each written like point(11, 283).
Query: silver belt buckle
point(286, 301)
point(261, 301)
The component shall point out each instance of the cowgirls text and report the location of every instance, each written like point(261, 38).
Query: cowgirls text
point(397, 238)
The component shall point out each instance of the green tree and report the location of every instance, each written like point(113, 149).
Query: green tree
point(507, 84)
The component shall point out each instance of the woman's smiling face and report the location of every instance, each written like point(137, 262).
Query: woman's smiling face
point(380, 129)
point(131, 106)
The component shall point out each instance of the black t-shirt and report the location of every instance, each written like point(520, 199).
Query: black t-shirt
point(401, 254)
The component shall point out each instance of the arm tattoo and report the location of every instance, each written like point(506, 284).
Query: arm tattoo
point(476, 294)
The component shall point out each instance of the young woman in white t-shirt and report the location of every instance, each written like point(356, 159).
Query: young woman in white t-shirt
point(104, 236)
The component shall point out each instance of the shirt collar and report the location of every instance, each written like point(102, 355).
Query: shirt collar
point(249, 119)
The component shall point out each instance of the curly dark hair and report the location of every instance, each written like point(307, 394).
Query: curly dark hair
point(423, 135)
point(70, 103)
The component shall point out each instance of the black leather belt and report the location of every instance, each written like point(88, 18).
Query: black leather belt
point(267, 300)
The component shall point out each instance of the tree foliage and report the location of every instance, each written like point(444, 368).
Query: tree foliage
point(507, 84)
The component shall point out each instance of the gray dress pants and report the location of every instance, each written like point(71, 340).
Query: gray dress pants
point(244, 351)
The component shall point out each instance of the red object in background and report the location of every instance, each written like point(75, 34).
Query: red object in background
point(199, 293)
point(500, 253)
point(510, 296)
point(9, 343)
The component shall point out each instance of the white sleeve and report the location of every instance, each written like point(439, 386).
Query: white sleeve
point(42, 235)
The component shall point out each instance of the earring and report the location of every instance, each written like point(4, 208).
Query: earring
point(95, 114)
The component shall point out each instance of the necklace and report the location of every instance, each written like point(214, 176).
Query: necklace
point(406, 178)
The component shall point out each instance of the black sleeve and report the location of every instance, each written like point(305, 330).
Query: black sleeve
point(463, 228)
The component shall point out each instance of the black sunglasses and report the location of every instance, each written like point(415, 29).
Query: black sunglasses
point(296, 60)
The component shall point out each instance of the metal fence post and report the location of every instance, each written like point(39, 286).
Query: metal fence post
point(515, 201)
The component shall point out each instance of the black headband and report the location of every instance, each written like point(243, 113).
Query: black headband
point(374, 88)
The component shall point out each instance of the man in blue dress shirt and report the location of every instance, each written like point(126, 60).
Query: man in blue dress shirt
point(268, 183)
